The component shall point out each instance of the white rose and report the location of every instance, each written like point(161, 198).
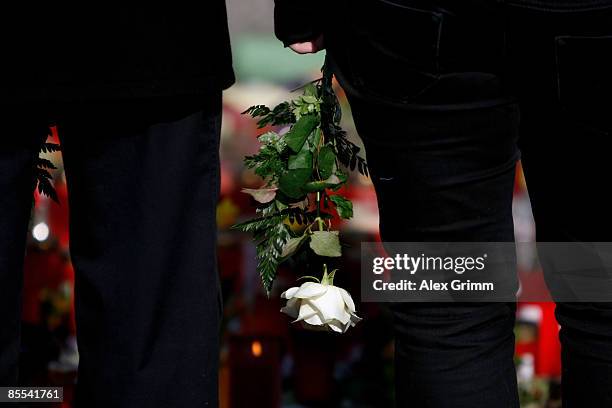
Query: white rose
point(321, 306)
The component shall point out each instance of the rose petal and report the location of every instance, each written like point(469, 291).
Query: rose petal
point(347, 299)
point(289, 293)
point(320, 307)
point(336, 326)
point(306, 311)
point(355, 319)
point(315, 320)
point(292, 308)
point(310, 290)
point(314, 327)
point(262, 195)
point(331, 305)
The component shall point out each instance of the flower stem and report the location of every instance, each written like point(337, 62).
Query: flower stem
point(319, 219)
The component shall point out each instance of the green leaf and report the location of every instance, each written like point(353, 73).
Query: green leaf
point(44, 163)
point(293, 245)
point(269, 164)
point(298, 134)
point(280, 206)
point(338, 179)
point(302, 160)
point(280, 115)
point(257, 110)
point(310, 99)
point(325, 243)
point(45, 187)
point(292, 181)
point(49, 147)
point(272, 140)
point(270, 243)
point(332, 181)
point(314, 186)
point(310, 89)
point(42, 178)
point(315, 139)
point(327, 159)
point(343, 206)
point(258, 224)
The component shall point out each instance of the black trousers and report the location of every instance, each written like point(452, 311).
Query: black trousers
point(143, 180)
point(447, 95)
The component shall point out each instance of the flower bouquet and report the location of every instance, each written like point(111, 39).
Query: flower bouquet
point(303, 170)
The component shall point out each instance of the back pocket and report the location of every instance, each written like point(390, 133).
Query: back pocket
point(396, 46)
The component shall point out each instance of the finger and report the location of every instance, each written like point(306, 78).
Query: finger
point(309, 47)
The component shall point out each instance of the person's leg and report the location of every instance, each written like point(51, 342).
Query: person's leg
point(446, 177)
point(560, 68)
point(586, 354)
point(143, 182)
point(440, 141)
point(23, 132)
point(455, 355)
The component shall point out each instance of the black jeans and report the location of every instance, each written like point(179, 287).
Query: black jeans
point(143, 182)
point(444, 94)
